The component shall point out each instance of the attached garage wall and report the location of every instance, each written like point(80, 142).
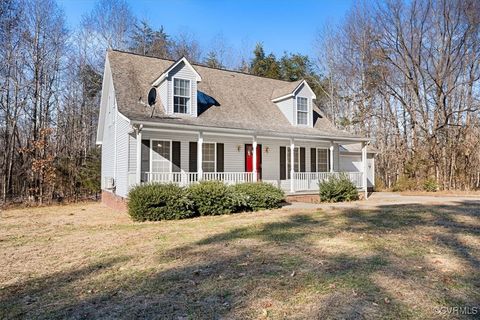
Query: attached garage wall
point(353, 163)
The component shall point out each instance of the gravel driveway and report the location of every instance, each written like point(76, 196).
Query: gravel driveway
point(389, 198)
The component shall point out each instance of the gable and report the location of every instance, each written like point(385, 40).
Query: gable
point(184, 72)
point(106, 104)
point(304, 90)
point(184, 62)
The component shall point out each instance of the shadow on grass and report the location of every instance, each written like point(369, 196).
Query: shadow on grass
point(281, 270)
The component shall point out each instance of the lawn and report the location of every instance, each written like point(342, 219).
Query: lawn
point(85, 261)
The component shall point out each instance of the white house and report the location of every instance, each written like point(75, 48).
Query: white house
point(173, 121)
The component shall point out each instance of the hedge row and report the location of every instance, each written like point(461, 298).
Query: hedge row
point(154, 202)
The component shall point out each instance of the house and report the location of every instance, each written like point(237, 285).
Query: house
point(173, 121)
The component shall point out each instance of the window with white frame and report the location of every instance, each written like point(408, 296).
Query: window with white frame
point(208, 157)
point(181, 96)
point(161, 155)
point(302, 110)
point(296, 160)
point(322, 160)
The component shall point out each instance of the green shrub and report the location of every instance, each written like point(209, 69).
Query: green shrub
point(155, 202)
point(213, 198)
point(338, 189)
point(430, 185)
point(260, 195)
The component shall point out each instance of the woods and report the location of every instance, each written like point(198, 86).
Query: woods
point(404, 74)
point(407, 74)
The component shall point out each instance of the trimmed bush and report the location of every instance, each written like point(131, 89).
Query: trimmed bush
point(260, 195)
point(338, 189)
point(213, 198)
point(153, 202)
point(430, 185)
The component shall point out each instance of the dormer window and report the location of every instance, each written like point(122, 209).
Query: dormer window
point(302, 111)
point(181, 95)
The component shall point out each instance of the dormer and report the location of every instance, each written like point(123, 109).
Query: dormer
point(295, 100)
point(177, 88)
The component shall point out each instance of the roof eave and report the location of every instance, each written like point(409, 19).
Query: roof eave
point(285, 135)
point(294, 92)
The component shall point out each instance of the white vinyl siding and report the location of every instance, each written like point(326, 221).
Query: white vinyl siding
point(160, 156)
point(123, 129)
point(287, 107)
point(353, 163)
point(302, 111)
point(181, 71)
point(208, 157)
point(181, 95)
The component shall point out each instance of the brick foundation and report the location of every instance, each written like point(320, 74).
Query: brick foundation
point(113, 201)
point(309, 198)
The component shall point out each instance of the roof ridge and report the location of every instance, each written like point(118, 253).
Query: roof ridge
point(204, 66)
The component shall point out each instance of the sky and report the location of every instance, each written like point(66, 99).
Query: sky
point(281, 25)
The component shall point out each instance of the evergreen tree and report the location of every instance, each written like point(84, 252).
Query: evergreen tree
point(265, 66)
point(257, 66)
point(147, 41)
point(212, 61)
point(295, 67)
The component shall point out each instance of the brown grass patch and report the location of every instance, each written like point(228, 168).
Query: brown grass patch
point(390, 261)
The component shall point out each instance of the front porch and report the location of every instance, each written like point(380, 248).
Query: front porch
point(184, 158)
point(302, 181)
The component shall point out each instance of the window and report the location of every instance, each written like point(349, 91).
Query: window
point(302, 110)
point(208, 157)
point(181, 96)
point(296, 160)
point(161, 156)
point(322, 160)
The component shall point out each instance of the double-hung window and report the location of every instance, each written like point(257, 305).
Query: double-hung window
point(161, 155)
point(181, 95)
point(302, 111)
point(208, 157)
point(296, 160)
point(322, 160)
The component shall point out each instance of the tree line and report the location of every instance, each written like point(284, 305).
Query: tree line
point(404, 73)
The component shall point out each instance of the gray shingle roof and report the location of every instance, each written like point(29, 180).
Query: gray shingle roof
point(245, 100)
point(287, 88)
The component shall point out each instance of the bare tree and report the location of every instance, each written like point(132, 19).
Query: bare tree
point(407, 74)
point(185, 45)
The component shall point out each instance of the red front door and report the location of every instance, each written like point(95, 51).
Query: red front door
point(249, 159)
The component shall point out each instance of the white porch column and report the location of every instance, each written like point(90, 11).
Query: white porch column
point(254, 147)
point(292, 167)
point(200, 155)
point(331, 156)
point(364, 165)
point(138, 175)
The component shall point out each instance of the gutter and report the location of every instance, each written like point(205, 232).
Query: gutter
point(197, 128)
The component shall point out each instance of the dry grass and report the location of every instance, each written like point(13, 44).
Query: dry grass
point(85, 261)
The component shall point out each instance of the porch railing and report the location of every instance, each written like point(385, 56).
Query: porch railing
point(304, 181)
point(229, 177)
point(187, 178)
